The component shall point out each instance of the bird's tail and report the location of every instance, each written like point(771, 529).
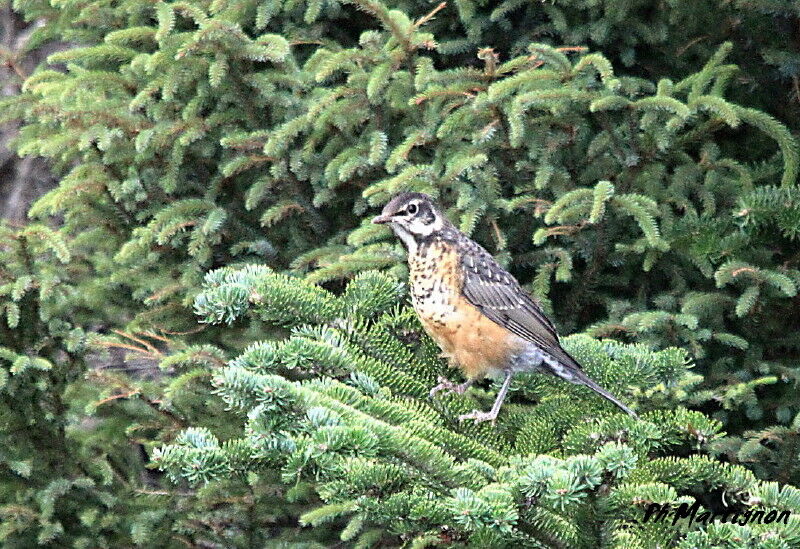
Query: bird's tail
point(591, 384)
point(574, 373)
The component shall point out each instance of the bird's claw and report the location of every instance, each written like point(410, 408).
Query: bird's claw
point(479, 416)
point(448, 386)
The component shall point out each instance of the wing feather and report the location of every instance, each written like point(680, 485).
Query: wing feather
point(498, 295)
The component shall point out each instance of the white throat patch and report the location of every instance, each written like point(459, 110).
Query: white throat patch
point(406, 237)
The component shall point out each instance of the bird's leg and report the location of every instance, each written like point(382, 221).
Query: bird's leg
point(491, 415)
point(449, 386)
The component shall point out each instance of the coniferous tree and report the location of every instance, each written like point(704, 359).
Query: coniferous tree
point(199, 135)
point(339, 410)
point(50, 490)
point(634, 185)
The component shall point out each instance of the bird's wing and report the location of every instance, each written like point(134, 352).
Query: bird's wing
point(498, 295)
point(487, 286)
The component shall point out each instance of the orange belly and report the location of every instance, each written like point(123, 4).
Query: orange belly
point(474, 343)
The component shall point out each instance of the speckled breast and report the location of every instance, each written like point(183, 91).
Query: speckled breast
point(435, 282)
point(467, 338)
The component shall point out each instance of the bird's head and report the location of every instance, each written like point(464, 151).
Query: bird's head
point(412, 217)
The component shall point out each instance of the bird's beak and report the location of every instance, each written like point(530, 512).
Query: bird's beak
point(381, 219)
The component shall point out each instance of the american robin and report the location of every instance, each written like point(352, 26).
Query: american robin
point(474, 309)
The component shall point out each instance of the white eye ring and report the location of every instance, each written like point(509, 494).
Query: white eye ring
point(412, 209)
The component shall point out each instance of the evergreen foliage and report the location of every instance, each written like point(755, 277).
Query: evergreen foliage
point(632, 164)
point(195, 135)
point(339, 410)
point(76, 431)
point(51, 489)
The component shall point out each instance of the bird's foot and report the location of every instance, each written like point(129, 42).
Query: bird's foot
point(450, 387)
point(479, 416)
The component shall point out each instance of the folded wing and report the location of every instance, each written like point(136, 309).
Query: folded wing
point(498, 295)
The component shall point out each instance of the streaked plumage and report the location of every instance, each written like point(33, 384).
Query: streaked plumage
point(477, 312)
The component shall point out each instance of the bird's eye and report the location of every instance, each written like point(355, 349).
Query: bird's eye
point(412, 209)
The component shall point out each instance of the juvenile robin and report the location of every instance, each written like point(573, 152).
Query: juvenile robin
point(474, 309)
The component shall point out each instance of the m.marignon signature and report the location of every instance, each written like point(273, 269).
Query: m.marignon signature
point(658, 512)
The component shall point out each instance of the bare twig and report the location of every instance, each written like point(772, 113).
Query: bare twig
point(425, 18)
